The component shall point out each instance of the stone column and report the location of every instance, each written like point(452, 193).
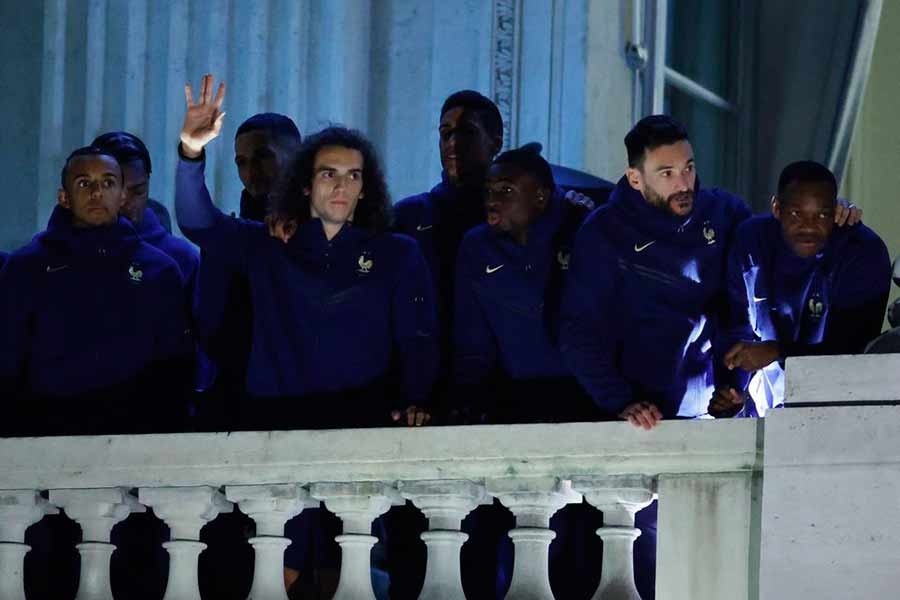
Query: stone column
point(185, 510)
point(445, 504)
point(19, 509)
point(270, 507)
point(619, 497)
point(533, 501)
point(97, 511)
point(357, 505)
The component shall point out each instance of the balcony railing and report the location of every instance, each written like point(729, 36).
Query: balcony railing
point(707, 475)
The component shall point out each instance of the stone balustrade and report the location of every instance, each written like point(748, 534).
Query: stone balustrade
point(700, 470)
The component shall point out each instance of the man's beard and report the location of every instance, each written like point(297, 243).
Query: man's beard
point(665, 204)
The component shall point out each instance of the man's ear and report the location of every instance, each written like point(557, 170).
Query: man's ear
point(306, 191)
point(541, 199)
point(498, 145)
point(776, 208)
point(62, 198)
point(635, 178)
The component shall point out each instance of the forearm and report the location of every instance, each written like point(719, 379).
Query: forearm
point(194, 208)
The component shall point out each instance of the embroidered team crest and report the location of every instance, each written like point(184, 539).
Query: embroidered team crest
point(709, 233)
point(365, 263)
point(816, 308)
point(563, 259)
point(135, 273)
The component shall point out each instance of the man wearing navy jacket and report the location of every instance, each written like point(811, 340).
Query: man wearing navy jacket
point(508, 288)
point(96, 337)
point(646, 283)
point(799, 286)
point(332, 305)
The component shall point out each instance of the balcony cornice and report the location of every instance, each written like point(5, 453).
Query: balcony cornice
point(472, 452)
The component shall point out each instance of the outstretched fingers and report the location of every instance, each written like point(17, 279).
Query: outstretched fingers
point(220, 95)
point(188, 95)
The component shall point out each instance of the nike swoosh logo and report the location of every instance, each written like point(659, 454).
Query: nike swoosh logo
point(423, 227)
point(55, 269)
point(644, 247)
point(489, 269)
point(755, 299)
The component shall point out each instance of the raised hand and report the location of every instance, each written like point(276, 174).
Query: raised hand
point(203, 120)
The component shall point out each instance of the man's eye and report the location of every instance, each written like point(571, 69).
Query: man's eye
point(689, 169)
point(665, 174)
point(355, 176)
point(82, 183)
point(326, 174)
point(794, 214)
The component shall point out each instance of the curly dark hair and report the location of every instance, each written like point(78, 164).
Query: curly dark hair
point(373, 211)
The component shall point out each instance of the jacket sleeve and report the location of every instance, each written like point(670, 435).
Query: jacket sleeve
point(415, 328)
point(14, 344)
point(226, 238)
point(736, 325)
point(588, 332)
point(474, 346)
point(858, 306)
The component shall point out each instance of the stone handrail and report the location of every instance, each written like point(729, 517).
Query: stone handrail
point(704, 472)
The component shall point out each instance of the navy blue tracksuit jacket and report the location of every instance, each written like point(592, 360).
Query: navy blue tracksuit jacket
point(507, 299)
point(184, 254)
point(644, 294)
point(328, 315)
point(96, 338)
point(832, 303)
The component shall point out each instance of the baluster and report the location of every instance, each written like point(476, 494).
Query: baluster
point(97, 511)
point(19, 509)
point(533, 501)
point(270, 507)
point(185, 510)
point(357, 505)
point(445, 504)
point(619, 498)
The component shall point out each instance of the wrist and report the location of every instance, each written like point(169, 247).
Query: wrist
point(190, 151)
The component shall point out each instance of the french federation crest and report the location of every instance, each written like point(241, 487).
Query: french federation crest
point(563, 259)
point(709, 234)
point(135, 274)
point(816, 308)
point(365, 263)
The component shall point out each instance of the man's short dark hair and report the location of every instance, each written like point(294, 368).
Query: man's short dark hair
point(484, 107)
point(125, 147)
point(650, 133)
point(279, 126)
point(373, 210)
point(86, 151)
point(805, 171)
point(531, 162)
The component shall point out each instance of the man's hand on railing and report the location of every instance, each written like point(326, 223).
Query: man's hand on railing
point(726, 402)
point(203, 120)
point(752, 356)
point(642, 414)
point(413, 416)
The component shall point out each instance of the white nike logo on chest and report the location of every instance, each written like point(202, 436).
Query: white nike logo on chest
point(638, 248)
point(489, 269)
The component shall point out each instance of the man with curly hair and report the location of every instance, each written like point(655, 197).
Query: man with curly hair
point(332, 306)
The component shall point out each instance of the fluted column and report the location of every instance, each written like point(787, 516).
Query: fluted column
point(357, 505)
point(445, 504)
point(19, 509)
point(619, 498)
point(185, 510)
point(270, 507)
point(96, 511)
point(533, 501)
